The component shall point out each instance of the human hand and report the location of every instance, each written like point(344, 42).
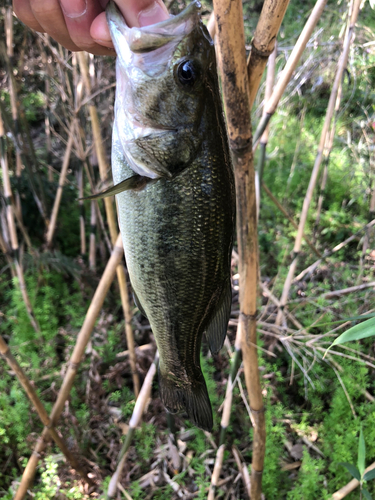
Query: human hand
point(81, 24)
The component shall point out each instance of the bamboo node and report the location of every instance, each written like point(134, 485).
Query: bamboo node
point(73, 366)
point(261, 53)
point(249, 317)
point(262, 410)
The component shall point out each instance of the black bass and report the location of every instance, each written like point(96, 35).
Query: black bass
point(175, 195)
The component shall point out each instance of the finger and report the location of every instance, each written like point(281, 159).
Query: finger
point(136, 13)
point(48, 14)
point(24, 13)
point(79, 15)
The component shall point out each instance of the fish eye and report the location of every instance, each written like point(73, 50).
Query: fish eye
point(188, 73)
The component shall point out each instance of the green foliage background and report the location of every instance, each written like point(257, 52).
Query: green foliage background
point(60, 289)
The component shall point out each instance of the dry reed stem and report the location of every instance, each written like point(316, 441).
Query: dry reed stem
point(43, 415)
point(315, 171)
point(243, 471)
point(263, 42)
point(290, 67)
point(227, 406)
point(284, 212)
point(75, 359)
point(233, 71)
point(82, 231)
point(264, 140)
point(64, 170)
point(92, 251)
point(139, 407)
point(351, 486)
point(12, 230)
point(111, 219)
point(216, 472)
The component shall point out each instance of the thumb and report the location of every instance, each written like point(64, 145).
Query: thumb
point(136, 13)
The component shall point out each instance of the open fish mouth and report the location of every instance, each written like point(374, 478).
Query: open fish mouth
point(154, 36)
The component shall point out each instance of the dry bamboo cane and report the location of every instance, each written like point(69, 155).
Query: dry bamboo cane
point(140, 404)
point(225, 419)
point(327, 154)
point(103, 170)
point(13, 94)
point(289, 67)
point(43, 415)
point(64, 170)
point(366, 238)
point(19, 145)
point(233, 71)
point(338, 247)
point(13, 231)
point(92, 251)
point(351, 486)
point(81, 212)
point(264, 139)
point(263, 42)
point(315, 171)
point(75, 359)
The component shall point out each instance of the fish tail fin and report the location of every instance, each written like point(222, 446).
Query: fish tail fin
point(192, 398)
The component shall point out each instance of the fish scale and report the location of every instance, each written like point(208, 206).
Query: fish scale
point(175, 195)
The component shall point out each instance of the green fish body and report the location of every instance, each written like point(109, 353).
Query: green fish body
point(176, 201)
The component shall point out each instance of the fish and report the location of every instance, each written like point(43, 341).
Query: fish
point(175, 193)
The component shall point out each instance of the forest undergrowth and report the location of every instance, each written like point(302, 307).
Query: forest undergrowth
point(315, 405)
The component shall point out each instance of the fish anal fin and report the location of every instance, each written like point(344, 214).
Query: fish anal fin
point(192, 398)
point(217, 328)
point(136, 182)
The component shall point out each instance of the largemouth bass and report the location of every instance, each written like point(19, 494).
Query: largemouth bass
point(176, 198)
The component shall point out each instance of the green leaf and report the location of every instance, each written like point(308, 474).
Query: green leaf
point(361, 453)
point(361, 331)
point(352, 469)
point(369, 475)
point(367, 494)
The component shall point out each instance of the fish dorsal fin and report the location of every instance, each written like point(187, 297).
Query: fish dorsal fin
point(217, 328)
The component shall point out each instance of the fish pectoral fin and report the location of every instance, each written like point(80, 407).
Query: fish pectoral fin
point(193, 398)
point(217, 328)
point(136, 182)
point(138, 304)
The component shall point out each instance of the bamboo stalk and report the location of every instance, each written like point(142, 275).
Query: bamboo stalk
point(13, 97)
point(92, 251)
point(75, 359)
point(351, 486)
point(43, 415)
point(233, 71)
point(264, 139)
point(64, 170)
point(19, 145)
point(290, 67)
point(103, 170)
point(81, 212)
point(263, 42)
point(225, 419)
point(315, 171)
point(12, 230)
point(327, 154)
point(140, 404)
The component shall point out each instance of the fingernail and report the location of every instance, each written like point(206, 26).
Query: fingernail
point(154, 14)
point(73, 8)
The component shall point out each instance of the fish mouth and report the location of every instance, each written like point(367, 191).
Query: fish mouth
point(154, 36)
